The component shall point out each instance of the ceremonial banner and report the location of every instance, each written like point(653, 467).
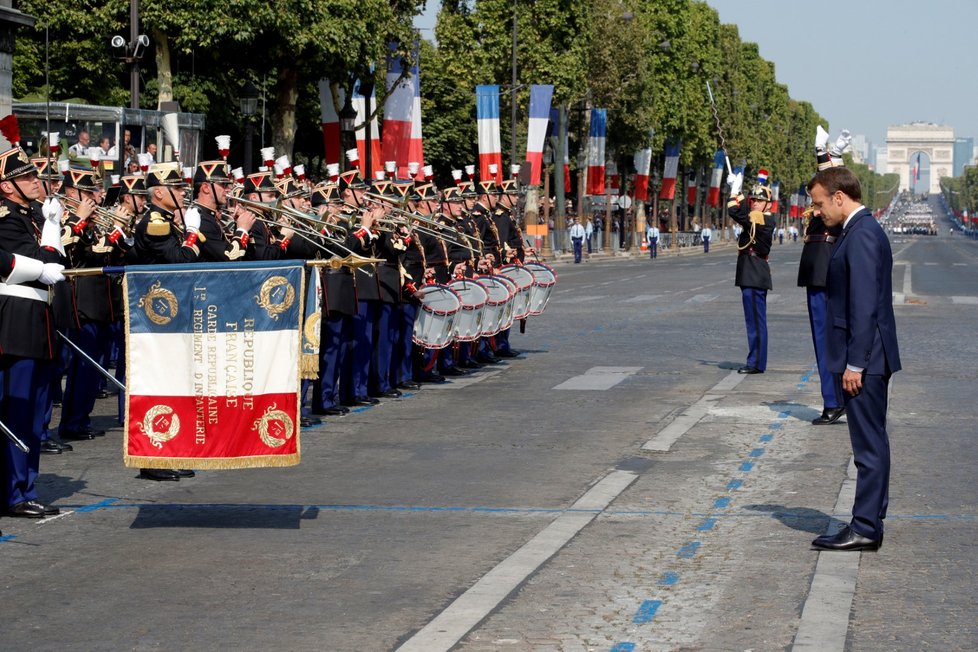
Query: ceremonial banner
point(397, 112)
point(330, 120)
point(540, 96)
point(713, 195)
point(595, 151)
point(360, 104)
point(490, 151)
point(416, 147)
point(643, 163)
point(212, 364)
point(670, 171)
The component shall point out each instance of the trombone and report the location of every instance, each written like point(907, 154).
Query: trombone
point(303, 231)
point(104, 218)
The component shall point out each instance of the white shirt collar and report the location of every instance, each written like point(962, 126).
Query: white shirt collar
point(846, 223)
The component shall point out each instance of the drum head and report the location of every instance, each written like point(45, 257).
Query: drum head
point(498, 290)
point(519, 275)
point(439, 299)
point(472, 293)
point(543, 275)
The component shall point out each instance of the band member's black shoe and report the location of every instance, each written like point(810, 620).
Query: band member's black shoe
point(454, 371)
point(85, 434)
point(336, 411)
point(829, 415)
point(509, 353)
point(185, 473)
point(749, 370)
point(470, 364)
point(32, 509)
point(160, 475)
point(50, 448)
point(410, 385)
point(433, 378)
point(392, 393)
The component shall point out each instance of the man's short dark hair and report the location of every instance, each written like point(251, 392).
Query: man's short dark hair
point(836, 179)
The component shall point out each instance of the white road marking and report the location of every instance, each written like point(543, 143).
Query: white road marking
point(960, 264)
point(703, 298)
point(825, 616)
point(599, 378)
point(679, 426)
point(642, 297)
point(907, 290)
point(458, 382)
point(930, 264)
point(53, 518)
point(971, 301)
point(468, 610)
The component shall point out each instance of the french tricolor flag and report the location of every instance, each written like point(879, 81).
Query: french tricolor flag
point(416, 148)
point(775, 195)
point(490, 151)
point(595, 151)
point(670, 171)
point(397, 111)
point(330, 120)
point(713, 195)
point(643, 163)
point(360, 104)
point(540, 96)
point(691, 189)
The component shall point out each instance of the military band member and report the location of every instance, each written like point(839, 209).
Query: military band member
point(266, 244)
point(512, 250)
point(753, 272)
point(211, 186)
point(26, 333)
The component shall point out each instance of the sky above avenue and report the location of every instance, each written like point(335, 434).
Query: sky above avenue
point(863, 64)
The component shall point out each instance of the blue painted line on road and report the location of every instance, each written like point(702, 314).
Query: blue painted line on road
point(757, 452)
point(646, 612)
point(783, 415)
point(746, 466)
point(721, 503)
point(707, 525)
point(800, 386)
point(735, 484)
point(623, 647)
point(765, 438)
point(95, 506)
point(361, 409)
point(669, 578)
point(689, 550)
point(7, 537)
point(775, 426)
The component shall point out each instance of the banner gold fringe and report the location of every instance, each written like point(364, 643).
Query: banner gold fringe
point(309, 366)
point(216, 464)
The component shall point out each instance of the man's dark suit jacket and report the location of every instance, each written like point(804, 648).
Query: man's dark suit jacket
point(860, 298)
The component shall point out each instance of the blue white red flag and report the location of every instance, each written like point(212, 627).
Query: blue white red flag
point(691, 189)
point(360, 104)
point(416, 150)
point(595, 151)
point(213, 371)
point(716, 179)
point(643, 163)
point(775, 196)
point(540, 97)
point(330, 121)
point(670, 170)
point(397, 111)
point(490, 150)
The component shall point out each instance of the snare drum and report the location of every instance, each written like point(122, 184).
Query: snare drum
point(523, 278)
point(509, 313)
point(544, 280)
point(474, 295)
point(494, 314)
point(435, 324)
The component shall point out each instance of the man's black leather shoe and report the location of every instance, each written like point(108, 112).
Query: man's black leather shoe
point(185, 473)
point(336, 411)
point(510, 353)
point(309, 422)
point(32, 509)
point(454, 371)
point(434, 378)
point(829, 415)
point(471, 364)
point(392, 393)
point(159, 475)
point(85, 434)
point(488, 359)
point(846, 540)
point(50, 448)
point(363, 401)
point(408, 384)
point(749, 370)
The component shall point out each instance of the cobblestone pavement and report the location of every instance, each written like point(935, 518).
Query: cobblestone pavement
point(400, 515)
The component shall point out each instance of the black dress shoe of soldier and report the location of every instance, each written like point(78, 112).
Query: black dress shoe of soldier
point(50, 448)
point(470, 364)
point(454, 371)
point(509, 353)
point(185, 473)
point(309, 421)
point(829, 415)
point(85, 434)
point(32, 509)
point(392, 393)
point(160, 475)
point(409, 385)
point(433, 378)
point(335, 411)
point(747, 369)
point(846, 540)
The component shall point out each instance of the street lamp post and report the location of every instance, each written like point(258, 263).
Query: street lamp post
point(249, 106)
point(132, 51)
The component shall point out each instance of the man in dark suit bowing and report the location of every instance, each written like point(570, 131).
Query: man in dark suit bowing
point(862, 347)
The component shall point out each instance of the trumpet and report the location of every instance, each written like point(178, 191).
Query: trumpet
point(105, 218)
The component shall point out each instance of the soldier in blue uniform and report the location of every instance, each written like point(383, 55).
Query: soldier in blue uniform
point(753, 272)
point(512, 250)
point(26, 333)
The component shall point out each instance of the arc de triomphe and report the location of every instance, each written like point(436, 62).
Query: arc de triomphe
point(903, 142)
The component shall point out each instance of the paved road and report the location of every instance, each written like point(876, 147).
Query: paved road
point(619, 488)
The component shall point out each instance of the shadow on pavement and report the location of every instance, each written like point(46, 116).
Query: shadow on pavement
point(795, 410)
point(254, 517)
point(800, 518)
point(53, 487)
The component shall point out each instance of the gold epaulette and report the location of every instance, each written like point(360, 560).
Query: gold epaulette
point(158, 225)
point(757, 217)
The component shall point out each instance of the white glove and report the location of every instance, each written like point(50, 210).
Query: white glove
point(51, 273)
point(736, 183)
point(842, 141)
point(821, 138)
point(51, 236)
point(52, 210)
point(191, 219)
